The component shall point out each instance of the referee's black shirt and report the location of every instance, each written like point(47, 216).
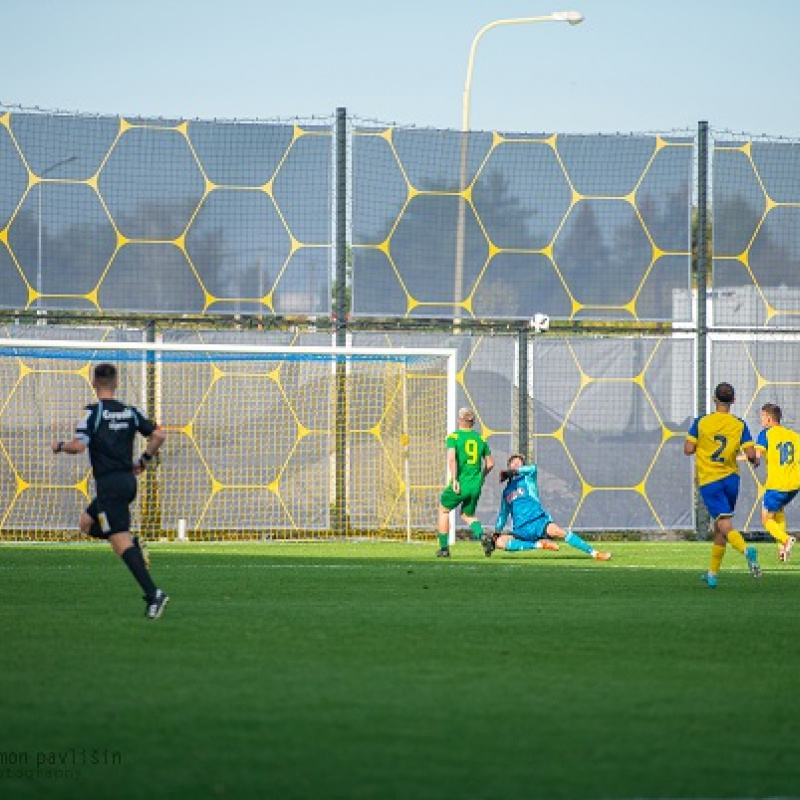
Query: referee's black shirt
point(108, 429)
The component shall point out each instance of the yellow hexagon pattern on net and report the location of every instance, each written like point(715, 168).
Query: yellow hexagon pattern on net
point(753, 387)
point(62, 388)
point(465, 293)
point(770, 207)
point(221, 486)
point(639, 486)
point(127, 128)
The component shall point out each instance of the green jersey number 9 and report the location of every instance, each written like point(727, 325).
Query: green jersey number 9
point(471, 449)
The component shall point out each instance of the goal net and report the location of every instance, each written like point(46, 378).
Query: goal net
point(262, 442)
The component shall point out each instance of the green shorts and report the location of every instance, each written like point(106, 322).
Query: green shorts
point(468, 499)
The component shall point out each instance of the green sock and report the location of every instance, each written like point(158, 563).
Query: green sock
point(477, 530)
point(444, 541)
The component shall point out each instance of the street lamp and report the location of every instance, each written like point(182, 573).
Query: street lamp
point(44, 172)
point(573, 18)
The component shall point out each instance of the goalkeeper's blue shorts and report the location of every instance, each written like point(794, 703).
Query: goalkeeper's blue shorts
point(534, 529)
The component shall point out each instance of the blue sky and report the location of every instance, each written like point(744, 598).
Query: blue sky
point(633, 65)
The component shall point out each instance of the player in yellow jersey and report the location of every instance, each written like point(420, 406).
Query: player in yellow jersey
point(781, 449)
point(716, 439)
point(469, 461)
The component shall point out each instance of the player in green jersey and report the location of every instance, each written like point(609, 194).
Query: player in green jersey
point(469, 461)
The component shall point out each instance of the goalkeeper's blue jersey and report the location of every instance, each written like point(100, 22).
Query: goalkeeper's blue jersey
point(521, 500)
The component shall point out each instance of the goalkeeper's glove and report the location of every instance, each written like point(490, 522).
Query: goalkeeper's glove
point(507, 474)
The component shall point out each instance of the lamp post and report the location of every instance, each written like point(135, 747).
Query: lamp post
point(573, 18)
point(44, 172)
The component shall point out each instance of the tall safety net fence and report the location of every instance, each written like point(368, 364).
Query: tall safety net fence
point(609, 415)
point(756, 233)
point(763, 369)
point(115, 214)
point(755, 299)
point(107, 217)
point(490, 225)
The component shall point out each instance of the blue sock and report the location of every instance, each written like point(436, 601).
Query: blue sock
point(573, 540)
point(518, 544)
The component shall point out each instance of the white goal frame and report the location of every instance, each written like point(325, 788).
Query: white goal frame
point(35, 347)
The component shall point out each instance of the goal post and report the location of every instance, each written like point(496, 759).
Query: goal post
point(251, 449)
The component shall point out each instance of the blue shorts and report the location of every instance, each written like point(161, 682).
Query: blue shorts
point(775, 500)
point(720, 496)
point(533, 530)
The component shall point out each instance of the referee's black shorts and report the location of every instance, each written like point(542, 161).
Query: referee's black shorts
point(111, 509)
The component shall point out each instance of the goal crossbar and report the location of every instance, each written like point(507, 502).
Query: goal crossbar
point(277, 352)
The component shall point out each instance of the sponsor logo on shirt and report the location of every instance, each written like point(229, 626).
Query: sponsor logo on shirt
point(117, 420)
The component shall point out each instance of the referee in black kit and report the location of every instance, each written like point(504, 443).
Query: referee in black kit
point(108, 429)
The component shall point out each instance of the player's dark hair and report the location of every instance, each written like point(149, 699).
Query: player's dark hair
point(515, 455)
point(773, 410)
point(724, 393)
point(105, 375)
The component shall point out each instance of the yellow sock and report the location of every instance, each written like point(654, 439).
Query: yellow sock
point(717, 552)
point(776, 531)
point(780, 518)
point(736, 541)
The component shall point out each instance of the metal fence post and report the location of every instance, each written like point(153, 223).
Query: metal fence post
point(701, 515)
point(339, 516)
point(522, 395)
point(151, 500)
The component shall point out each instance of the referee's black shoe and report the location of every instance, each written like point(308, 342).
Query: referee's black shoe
point(155, 605)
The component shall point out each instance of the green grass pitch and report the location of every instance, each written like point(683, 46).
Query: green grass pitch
point(367, 670)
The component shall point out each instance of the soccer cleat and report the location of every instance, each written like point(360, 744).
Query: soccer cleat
point(599, 556)
point(487, 543)
point(546, 544)
point(710, 579)
point(785, 550)
point(443, 552)
point(752, 562)
point(141, 545)
point(155, 606)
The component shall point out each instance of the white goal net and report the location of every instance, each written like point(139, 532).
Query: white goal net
point(262, 442)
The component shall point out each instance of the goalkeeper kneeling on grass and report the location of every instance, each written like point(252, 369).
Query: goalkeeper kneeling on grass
point(533, 528)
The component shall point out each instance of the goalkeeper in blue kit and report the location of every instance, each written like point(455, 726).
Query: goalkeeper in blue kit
point(532, 527)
